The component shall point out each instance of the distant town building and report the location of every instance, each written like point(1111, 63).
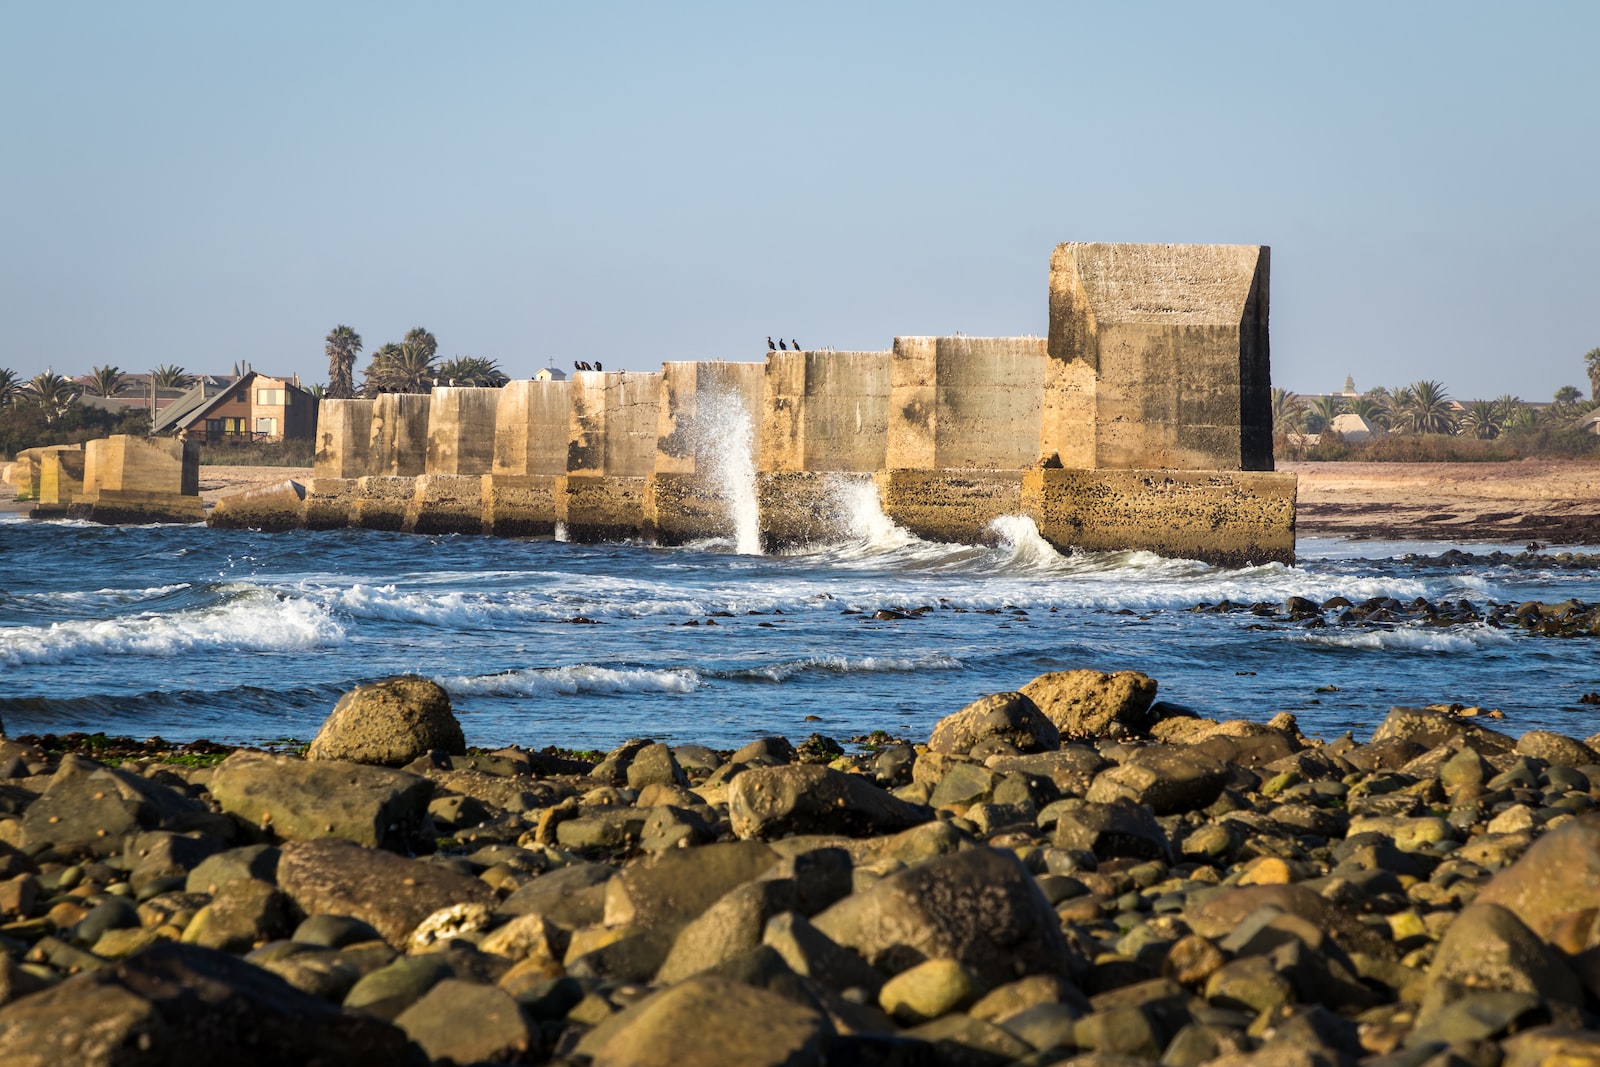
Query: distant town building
point(550, 374)
point(253, 407)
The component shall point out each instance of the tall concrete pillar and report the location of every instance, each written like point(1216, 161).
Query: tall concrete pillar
point(825, 419)
point(344, 438)
point(129, 479)
point(707, 443)
point(611, 451)
point(461, 433)
point(530, 458)
point(397, 456)
point(964, 423)
point(1159, 357)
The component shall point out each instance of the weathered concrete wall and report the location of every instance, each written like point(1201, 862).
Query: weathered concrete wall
point(531, 428)
point(611, 453)
point(447, 503)
point(965, 402)
point(950, 505)
point(128, 479)
point(273, 507)
point(461, 430)
point(808, 507)
point(60, 477)
point(707, 446)
point(399, 447)
point(330, 503)
point(25, 471)
point(1174, 339)
point(825, 411)
point(522, 505)
point(1225, 517)
point(344, 438)
point(384, 502)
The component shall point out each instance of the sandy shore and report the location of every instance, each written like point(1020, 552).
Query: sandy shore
point(219, 481)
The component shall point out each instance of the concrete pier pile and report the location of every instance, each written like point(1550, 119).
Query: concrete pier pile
point(1142, 422)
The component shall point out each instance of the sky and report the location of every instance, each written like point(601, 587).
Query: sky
point(205, 184)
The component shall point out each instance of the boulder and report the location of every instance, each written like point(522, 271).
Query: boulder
point(1558, 876)
point(979, 907)
point(769, 802)
point(243, 914)
point(1120, 828)
point(571, 896)
point(389, 723)
point(1226, 911)
point(1071, 768)
point(1487, 947)
point(180, 1004)
point(1167, 779)
point(1008, 717)
point(392, 893)
point(930, 989)
point(1557, 749)
point(91, 809)
point(682, 883)
point(1430, 729)
point(302, 800)
point(732, 925)
point(1087, 704)
point(712, 1022)
point(467, 1023)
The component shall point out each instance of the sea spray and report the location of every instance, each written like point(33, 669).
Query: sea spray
point(726, 435)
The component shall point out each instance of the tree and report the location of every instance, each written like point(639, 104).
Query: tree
point(1373, 408)
point(1288, 413)
point(1568, 394)
point(107, 381)
point(1481, 420)
point(400, 369)
point(10, 387)
point(1323, 411)
point(344, 344)
point(1506, 408)
point(171, 376)
point(471, 370)
point(424, 342)
point(1591, 362)
point(54, 394)
point(1424, 407)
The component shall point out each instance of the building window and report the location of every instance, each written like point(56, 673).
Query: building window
point(271, 398)
point(233, 426)
point(213, 428)
point(267, 426)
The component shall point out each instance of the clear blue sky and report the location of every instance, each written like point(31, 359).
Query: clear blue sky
point(537, 183)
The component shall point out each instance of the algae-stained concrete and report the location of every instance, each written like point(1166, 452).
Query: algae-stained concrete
point(344, 438)
point(708, 441)
point(1159, 357)
point(461, 430)
point(61, 477)
point(1229, 518)
point(128, 479)
point(521, 505)
point(384, 502)
point(330, 503)
point(447, 504)
point(272, 507)
point(399, 438)
point(965, 402)
point(611, 453)
point(825, 411)
point(531, 428)
point(950, 505)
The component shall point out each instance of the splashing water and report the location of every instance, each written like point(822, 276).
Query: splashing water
point(728, 442)
point(862, 515)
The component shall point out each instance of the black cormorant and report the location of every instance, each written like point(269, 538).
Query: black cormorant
point(782, 345)
point(770, 346)
point(597, 364)
point(794, 344)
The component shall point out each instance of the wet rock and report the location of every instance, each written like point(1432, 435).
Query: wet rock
point(1556, 749)
point(1087, 704)
point(389, 892)
point(928, 990)
point(242, 914)
point(467, 1023)
point(389, 723)
point(1116, 829)
point(1009, 717)
point(300, 800)
point(1165, 779)
point(186, 1004)
point(682, 883)
point(1557, 876)
point(713, 1022)
point(980, 907)
point(1429, 729)
point(88, 809)
point(769, 802)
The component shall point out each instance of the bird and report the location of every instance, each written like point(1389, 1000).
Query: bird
point(770, 346)
point(794, 344)
point(597, 364)
point(781, 345)
point(577, 364)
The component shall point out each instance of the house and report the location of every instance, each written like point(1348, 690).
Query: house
point(1590, 423)
point(550, 374)
point(254, 407)
point(1352, 428)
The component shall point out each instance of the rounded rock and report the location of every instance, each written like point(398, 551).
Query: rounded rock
point(390, 723)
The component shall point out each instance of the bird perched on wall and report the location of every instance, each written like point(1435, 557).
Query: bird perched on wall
point(577, 364)
point(794, 344)
point(597, 364)
point(770, 346)
point(782, 346)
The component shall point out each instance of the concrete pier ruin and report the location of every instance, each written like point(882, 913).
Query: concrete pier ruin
point(1141, 422)
point(120, 480)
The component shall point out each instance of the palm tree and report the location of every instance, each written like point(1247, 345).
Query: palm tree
point(53, 393)
point(1481, 420)
point(424, 341)
point(1288, 414)
point(1373, 409)
point(1424, 407)
point(107, 381)
point(1323, 411)
point(344, 344)
point(10, 387)
point(1568, 395)
point(1591, 362)
point(171, 376)
point(318, 392)
point(471, 370)
point(1506, 408)
point(1523, 418)
point(400, 369)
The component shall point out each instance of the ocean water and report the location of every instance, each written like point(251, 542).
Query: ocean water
point(187, 632)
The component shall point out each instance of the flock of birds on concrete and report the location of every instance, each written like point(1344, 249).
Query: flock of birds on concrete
point(583, 364)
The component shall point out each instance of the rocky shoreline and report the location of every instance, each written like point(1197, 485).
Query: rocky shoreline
point(1069, 874)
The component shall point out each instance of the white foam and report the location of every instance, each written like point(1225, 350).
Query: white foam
point(727, 436)
point(1410, 639)
point(780, 672)
point(570, 681)
point(251, 620)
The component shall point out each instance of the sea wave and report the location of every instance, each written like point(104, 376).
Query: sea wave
point(583, 678)
point(782, 672)
point(1409, 638)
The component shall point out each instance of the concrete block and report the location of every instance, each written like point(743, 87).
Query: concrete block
point(461, 430)
point(399, 437)
point(1229, 518)
point(273, 507)
point(383, 502)
point(809, 507)
point(60, 476)
point(965, 402)
point(447, 504)
point(520, 505)
point(950, 505)
point(1174, 340)
point(612, 429)
point(531, 427)
point(131, 480)
point(25, 470)
point(707, 443)
point(344, 438)
point(825, 411)
point(331, 503)
point(603, 507)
